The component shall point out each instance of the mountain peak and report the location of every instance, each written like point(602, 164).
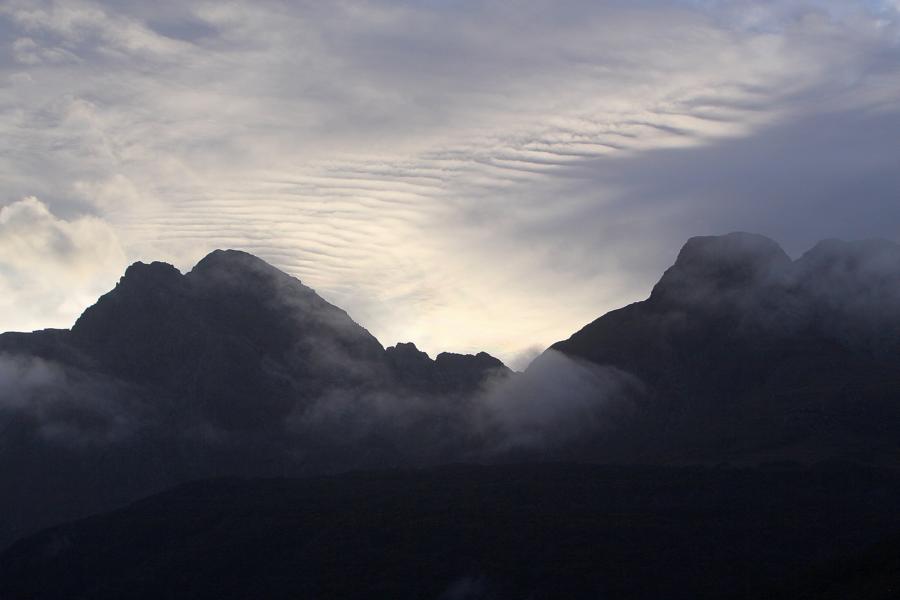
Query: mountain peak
point(480, 363)
point(236, 265)
point(141, 288)
point(149, 274)
point(407, 351)
point(731, 249)
point(229, 258)
point(872, 255)
point(729, 261)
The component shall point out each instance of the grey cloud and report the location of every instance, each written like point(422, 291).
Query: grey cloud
point(523, 359)
point(420, 163)
point(829, 175)
point(65, 405)
point(557, 401)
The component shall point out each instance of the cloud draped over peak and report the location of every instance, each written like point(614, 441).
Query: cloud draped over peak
point(448, 172)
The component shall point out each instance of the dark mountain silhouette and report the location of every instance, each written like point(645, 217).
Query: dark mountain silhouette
point(239, 341)
point(234, 368)
point(447, 373)
point(499, 532)
point(749, 356)
point(740, 355)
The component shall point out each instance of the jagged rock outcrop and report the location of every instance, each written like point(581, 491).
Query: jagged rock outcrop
point(448, 373)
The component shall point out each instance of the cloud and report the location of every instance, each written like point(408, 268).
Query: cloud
point(52, 268)
point(523, 359)
point(19, 376)
point(65, 405)
point(448, 172)
point(558, 400)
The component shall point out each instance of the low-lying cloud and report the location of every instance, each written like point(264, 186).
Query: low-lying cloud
point(556, 401)
point(66, 406)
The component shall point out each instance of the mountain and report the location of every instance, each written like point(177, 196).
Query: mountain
point(747, 355)
point(237, 340)
point(447, 373)
point(739, 355)
point(234, 368)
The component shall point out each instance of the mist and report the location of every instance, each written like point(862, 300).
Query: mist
point(846, 289)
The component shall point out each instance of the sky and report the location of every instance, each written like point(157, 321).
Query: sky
point(463, 175)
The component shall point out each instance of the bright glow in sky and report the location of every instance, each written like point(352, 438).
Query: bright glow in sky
point(464, 175)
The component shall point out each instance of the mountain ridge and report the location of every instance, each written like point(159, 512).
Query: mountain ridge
point(739, 355)
point(233, 368)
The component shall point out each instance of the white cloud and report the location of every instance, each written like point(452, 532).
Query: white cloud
point(52, 268)
point(441, 170)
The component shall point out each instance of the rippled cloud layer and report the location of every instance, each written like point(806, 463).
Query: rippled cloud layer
point(464, 175)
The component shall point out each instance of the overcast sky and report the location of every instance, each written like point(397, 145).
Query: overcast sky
point(464, 175)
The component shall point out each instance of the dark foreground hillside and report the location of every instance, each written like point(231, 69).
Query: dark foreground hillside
point(537, 531)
